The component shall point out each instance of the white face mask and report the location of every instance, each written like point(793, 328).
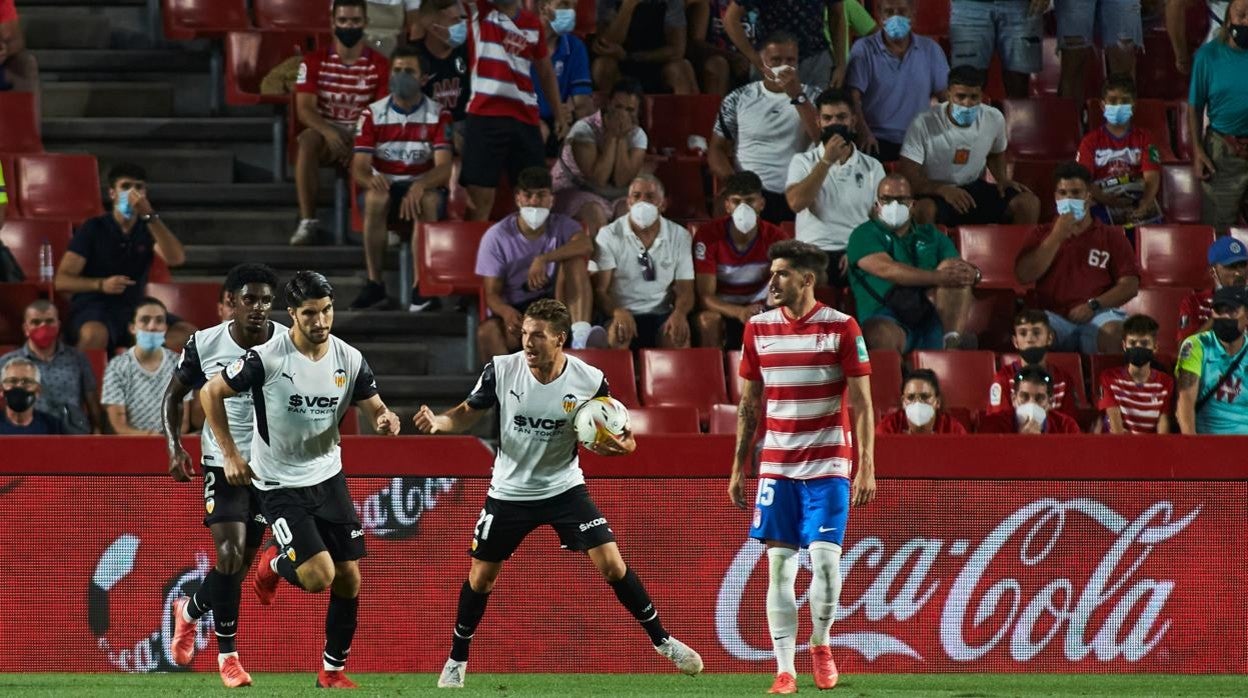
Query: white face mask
point(894, 214)
point(1032, 411)
point(533, 216)
point(920, 413)
point(744, 217)
point(643, 214)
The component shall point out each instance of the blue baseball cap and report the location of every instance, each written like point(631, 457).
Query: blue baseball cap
point(1227, 250)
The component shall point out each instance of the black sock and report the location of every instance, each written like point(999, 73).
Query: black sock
point(340, 624)
point(467, 616)
point(632, 594)
point(286, 568)
point(227, 592)
point(201, 600)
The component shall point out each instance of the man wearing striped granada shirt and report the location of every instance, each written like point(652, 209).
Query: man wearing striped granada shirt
point(1136, 398)
point(805, 358)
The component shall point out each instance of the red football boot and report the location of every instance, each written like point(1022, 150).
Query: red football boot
point(784, 684)
point(334, 679)
point(824, 667)
point(232, 673)
point(266, 580)
point(183, 633)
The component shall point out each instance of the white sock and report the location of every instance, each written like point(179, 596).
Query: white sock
point(330, 667)
point(580, 333)
point(309, 220)
point(273, 565)
point(222, 657)
point(782, 607)
point(825, 588)
point(186, 616)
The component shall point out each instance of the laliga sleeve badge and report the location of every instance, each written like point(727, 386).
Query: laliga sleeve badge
point(234, 369)
point(861, 344)
point(994, 395)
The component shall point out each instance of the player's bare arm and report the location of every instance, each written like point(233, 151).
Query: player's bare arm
point(212, 398)
point(171, 418)
point(384, 421)
point(862, 490)
point(456, 420)
point(747, 427)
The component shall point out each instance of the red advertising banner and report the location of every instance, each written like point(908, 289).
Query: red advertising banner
point(940, 575)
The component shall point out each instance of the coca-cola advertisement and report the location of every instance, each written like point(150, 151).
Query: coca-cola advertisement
point(939, 576)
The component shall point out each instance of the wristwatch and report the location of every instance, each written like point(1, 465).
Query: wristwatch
point(799, 100)
point(1095, 305)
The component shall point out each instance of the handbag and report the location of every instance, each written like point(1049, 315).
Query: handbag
point(1230, 371)
point(909, 304)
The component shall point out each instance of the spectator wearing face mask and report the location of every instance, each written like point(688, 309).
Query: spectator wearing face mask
point(19, 379)
point(67, 385)
point(1124, 160)
point(1228, 265)
point(1032, 414)
point(1220, 154)
point(444, 60)
point(570, 59)
point(1212, 371)
point(1135, 398)
point(1032, 337)
point(134, 382)
point(920, 411)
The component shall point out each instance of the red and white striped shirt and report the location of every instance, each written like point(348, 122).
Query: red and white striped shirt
point(1142, 404)
point(342, 90)
point(501, 51)
point(740, 275)
point(803, 364)
point(1003, 386)
point(402, 143)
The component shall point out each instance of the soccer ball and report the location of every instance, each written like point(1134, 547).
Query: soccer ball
point(600, 419)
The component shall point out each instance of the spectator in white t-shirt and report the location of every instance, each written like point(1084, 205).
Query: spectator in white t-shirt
point(644, 283)
point(944, 155)
point(601, 155)
point(135, 382)
point(763, 124)
point(832, 185)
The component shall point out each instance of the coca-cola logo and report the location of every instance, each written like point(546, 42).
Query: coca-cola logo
point(394, 511)
point(1105, 611)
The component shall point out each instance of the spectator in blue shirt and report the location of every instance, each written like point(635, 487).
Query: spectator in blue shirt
point(1220, 154)
point(571, 61)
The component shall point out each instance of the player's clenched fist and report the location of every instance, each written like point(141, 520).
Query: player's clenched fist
point(238, 471)
point(425, 421)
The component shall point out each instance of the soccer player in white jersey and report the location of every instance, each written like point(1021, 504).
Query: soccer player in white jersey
point(232, 514)
point(302, 383)
point(804, 358)
point(537, 478)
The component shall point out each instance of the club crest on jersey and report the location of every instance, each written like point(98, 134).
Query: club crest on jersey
point(291, 554)
point(235, 368)
point(340, 378)
point(209, 505)
point(569, 403)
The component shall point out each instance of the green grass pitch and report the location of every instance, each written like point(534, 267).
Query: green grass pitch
point(550, 685)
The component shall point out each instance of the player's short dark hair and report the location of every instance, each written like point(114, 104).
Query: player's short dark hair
point(307, 285)
point(967, 76)
point(1072, 170)
point(554, 312)
point(125, 170)
point(1032, 316)
point(777, 37)
point(1034, 374)
point(1140, 325)
point(533, 178)
point(408, 51)
point(743, 183)
point(148, 300)
point(1122, 83)
point(926, 375)
point(362, 4)
point(834, 95)
point(248, 273)
point(802, 256)
point(628, 86)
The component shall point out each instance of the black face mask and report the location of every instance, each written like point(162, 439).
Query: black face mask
point(837, 130)
point(19, 399)
point(1032, 356)
point(1138, 356)
point(1239, 34)
point(349, 36)
point(1226, 329)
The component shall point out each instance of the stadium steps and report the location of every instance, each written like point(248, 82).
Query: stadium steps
point(408, 358)
point(231, 227)
point(113, 99)
point(173, 130)
point(108, 60)
point(281, 257)
point(186, 165)
point(64, 28)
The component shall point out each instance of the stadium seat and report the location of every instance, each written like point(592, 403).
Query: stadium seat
point(1155, 74)
point(447, 254)
point(1173, 255)
point(159, 271)
point(994, 248)
point(1152, 115)
point(586, 17)
point(1162, 305)
point(732, 375)
point(292, 15)
point(19, 124)
point(184, 20)
point(671, 119)
point(686, 191)
point(931, 18)
point(249, 56)
point(886, 380)
point(350, 424)
point(195, 302)
point(683, 377)
point(13, 301)
point(58, 185)
point(1180, 193)
point(965, 376)
point(723, 419)
point(617, 366)
point(24, 238)
point(1046, 82)
point(98, 358)
point(991, 317)
point(1070, 362)
point(1045, 127)
point(1037, 175)
point(8, 163)
point(664, 420)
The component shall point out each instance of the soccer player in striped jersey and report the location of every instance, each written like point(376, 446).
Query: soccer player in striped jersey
point(805, 359)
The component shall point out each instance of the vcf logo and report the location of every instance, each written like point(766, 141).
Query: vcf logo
point(1230, 390)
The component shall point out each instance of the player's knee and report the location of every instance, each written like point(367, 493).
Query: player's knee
point(229, 557)
point(316, 575)
point(613, 570)
point(346, 583)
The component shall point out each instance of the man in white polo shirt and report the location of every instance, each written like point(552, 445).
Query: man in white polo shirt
point(644, 283)
point(763, 124)
point(832, 185)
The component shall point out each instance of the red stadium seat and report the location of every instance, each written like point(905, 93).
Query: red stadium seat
point(686, 191)
point(447, 254)
point(292, 15)
point(350, 425)
point(723, 419)
point(664, 420)
point(19, 124)
point(13, 301)
point(931, 18)
point(671, 119)
point(159, 271)
point(1046, 82)
point(965, 376)
point(732, 374)
point(194, 302)
point(1070, 362)
point(1152, 115)
point(1182, 135)
point(1162, 305)
point(1155, 74)
point(1043, 128)
point(98, 358)
point(586, 17)
point(683, 377)
point(58, 185)
point(617, 367)
point(1037, 175)
point(886, 382)
point(249, 56)
point(184, 20)
point(1174, 255)
point(24, 238)
point(991, 317)
point(994, 248)
point(1180, 193)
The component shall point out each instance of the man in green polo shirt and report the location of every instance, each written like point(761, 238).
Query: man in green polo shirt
point(1213, 370)
point(911, 289)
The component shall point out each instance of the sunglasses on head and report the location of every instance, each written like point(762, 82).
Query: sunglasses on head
point(647, 266)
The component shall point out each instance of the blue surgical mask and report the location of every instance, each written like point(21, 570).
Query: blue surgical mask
point(896, 27)
point(1117, 114)
point(1075, 207)
point(564, 21)
point(458, 33)
point(963, 116)
point(149, 341)
point(124, 207)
